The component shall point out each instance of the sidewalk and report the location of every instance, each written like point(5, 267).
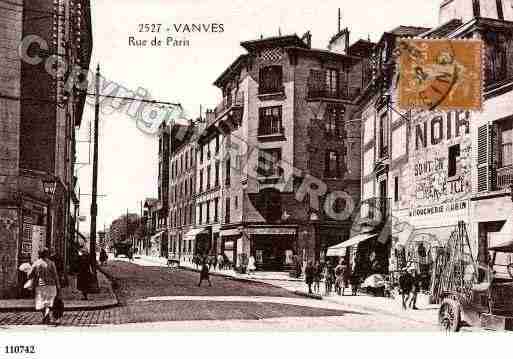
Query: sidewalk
point(72, 298)
point(427, 313)
point(271, 276)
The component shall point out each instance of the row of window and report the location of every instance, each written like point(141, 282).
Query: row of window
point(182, 190)
point(271, 121)
point(204, 150)
point(328, 83)
point(183, 216)
point(183, 163)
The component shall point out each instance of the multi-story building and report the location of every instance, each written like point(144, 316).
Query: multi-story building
point(182, 192)
point(160, 239)
point(209, 187)
point(149, 222)
point(38, 116)
point(279, 158)
point(440, 168)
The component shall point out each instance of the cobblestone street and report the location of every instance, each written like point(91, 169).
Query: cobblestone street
point(161, 297)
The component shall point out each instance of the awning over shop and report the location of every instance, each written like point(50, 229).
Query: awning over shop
point(502, 241)
point(230, 232)
point(336, 251)
point(193, 233)
point(359, 238)
point(272, 230)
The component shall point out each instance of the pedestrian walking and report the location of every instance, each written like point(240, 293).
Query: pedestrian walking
point(405, 286)
point(220, 261)
point(47, 285)
point(103, 256)
point(309, 276)
point(317, 277)
point(84, 275)
point(205, 274)
point(415, 286)
point(329, 278)
point(355, 283)
point(339, 277)
point(346, 277)
point(251, 265)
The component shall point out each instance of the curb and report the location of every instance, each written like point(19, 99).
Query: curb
point(307, 295)
point(28, 304)
point(239, 278)
point(227, 276)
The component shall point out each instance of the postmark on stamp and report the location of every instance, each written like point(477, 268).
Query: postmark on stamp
point(442, 74)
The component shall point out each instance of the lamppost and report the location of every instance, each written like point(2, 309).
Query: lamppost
point(49, 187)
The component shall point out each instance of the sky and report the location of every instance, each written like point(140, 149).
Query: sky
point(127, 156)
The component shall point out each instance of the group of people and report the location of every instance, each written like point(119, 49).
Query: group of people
point(409, 285)
point(218, 262)
point(336, 278)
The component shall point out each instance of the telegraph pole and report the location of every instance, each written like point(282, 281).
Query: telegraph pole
point(94, 205)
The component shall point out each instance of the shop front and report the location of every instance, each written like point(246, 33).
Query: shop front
point(273, 247)
point(199, 240)
point(228, 245)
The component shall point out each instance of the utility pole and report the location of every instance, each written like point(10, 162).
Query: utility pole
point(94, 205)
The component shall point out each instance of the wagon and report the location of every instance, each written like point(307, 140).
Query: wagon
point(488, 304)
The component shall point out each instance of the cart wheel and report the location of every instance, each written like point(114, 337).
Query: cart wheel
point(449, 315)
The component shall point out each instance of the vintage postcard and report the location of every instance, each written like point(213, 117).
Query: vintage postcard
point(239, 166)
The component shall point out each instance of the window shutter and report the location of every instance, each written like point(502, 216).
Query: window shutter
point(482, 158)
point(486, 157)
point(493, 155)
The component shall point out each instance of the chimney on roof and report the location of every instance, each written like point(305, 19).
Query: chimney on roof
point(307, 38)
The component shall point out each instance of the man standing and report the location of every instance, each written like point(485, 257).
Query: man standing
point(405, 285)
point(415, 287)
point(204, 273)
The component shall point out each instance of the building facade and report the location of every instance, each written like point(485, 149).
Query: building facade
point(440, 168)
point(39, 115)
point(182, 195)
point(287, 150)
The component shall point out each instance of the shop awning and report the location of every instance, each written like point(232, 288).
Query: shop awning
point(193, 233)
point(336, 251)
point(230, 232)
point(359, 238)
point(502, 241)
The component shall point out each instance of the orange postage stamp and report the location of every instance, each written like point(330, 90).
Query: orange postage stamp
point(443, 74)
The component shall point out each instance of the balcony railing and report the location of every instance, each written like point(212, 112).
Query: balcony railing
point(228, 103)
point(321, 90)
point(504, 177)
point(376, 209)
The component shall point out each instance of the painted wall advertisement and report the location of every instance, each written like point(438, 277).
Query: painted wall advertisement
point(440, 164)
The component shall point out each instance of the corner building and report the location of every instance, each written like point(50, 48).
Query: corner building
point(288, 143)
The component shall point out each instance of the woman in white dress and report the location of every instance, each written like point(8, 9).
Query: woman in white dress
point(251, 264)
point(46, 282)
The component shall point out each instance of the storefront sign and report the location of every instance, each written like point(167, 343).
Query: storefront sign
point(443, 208)
point(272, 231)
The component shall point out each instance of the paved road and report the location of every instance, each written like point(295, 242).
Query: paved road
point(163, 298)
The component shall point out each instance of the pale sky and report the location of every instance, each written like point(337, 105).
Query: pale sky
point(128, 157)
